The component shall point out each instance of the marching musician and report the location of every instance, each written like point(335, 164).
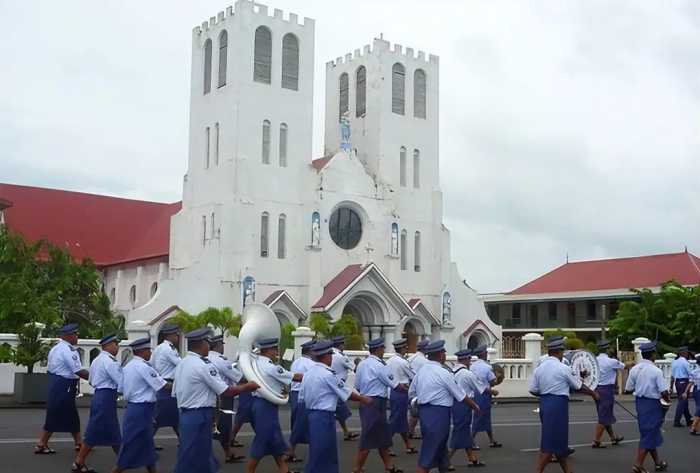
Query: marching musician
point(64, 372)
point(462, 412)
point(416, 361)
point(103, 427)
point(342, 365)
point(680, 375)
point(487, 379)
point(647, 382)
point(299, 422)
point(265, 419)
point(551, 382)
point(140, 384)
point(231, 377)
point(694, 386)
point(320, 391)
point(607, 382)
point(436, 390)
point(374, 379)
point(165, 359)
point(398, 398)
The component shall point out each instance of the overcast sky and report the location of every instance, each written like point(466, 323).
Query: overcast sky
point(566, 127)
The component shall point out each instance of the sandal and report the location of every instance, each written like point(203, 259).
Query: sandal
point(393, 469)
point(597, 444)
point(451, 468)
point(43, 450)
point(294, 459)
point(663, 466)
point(475, 464)
point(617, 440)
point(235, 458)
point(411, 451)
point(78, 468)
point(495, 444)
point(78, 446)
point(639, 469)
point(694, 432)
point(351, 436)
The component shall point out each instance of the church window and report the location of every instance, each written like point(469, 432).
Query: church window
point(204, 230)
point(266, 142)
point(290, 62)
point(223, 48)
point(207, 138)
point(416, 168)
point(216, 144)
point(207, 66)
point(113, 296)
point(132, 295)
point(344, 94)
point(154, 289)
point(402, 166)
point(398, 88)
point(264, 236)
point(345, 227)
point(404, 245)
point(262, 68)
point(213, 226)
point(283, 145)
point(360, 91)
point(416, 252)
point(281, 236)
point(419, 93)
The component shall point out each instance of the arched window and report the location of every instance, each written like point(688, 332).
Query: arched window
point(264, 232)
point(398, 88)
point(416, 252)
point(207, 139)
point(262, 69)
point(404, 244)
point(266, 142)
point(154, 289)
point(213, 225)
point(207, 66)
point(132, 295)
point(402, 166)
point(283, 145)
point(204, 230)
point(360, 91)
point(113, 296)
point(281, 236)
point(290, 62)
point(223, 47)
point(216, 143)
point(416, 168)
point(419, 93)
point(394, 249)
point(344, 94)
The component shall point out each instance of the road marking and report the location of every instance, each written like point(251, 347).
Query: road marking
point(575, 445)
point(581, 422)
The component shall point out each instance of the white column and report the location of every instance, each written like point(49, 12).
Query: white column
point(389, 333)
point(637, 342)
point(301, 335)
point(533, 346)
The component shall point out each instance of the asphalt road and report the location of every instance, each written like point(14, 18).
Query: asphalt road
point(515, 425)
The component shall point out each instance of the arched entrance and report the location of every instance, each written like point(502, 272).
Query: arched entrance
point(370, 312)
point(474, 340)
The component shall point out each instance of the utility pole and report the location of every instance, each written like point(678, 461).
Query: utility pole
point(604, 321)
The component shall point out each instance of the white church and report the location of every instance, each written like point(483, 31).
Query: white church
point(358, 231)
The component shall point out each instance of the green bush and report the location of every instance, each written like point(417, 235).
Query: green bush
point(31, 349)
point(6, 353)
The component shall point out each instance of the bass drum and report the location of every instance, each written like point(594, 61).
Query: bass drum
point(581, 361)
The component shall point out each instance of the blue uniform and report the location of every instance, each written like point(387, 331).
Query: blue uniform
point(140, 385)
point(680, 370)
point(231, 376)
point(61, 413)
point(606, 388)
point(165, 359)
point(299, 422)
point(484, 375)
point(647, 382)
point(374, 379)
point(552, 381)
point(398, 398)
point(341, 365)
point(461, 412)
point(106, 378)
point(695, 379)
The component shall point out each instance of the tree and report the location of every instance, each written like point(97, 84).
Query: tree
point(31, 349)
point(320, 323)
point(223, 320)
point(572, 341)
point(349, 327)
point(286, 339)
point(671, 316)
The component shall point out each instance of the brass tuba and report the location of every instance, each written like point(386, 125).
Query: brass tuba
point(259, 322)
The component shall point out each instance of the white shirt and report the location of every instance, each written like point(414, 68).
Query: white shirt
point(466, 380)
point(646, 380)
point(225, 368)
point(401, 369)
point(435, 384)
point(141, 381)
point(276, 372)
point(301, 365)
point(106, 372)
point(165, 359)
point(321, 389)
point(197, 382)
point(484, 374)
point(554, 377)
point(64, 360)
point(608, 368)
point(373, 377)
point(341, 364)
point(417, 361)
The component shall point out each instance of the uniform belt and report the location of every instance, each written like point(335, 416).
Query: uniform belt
point(187, 409)
point(682, 379)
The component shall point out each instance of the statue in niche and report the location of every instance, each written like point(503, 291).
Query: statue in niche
point(446, 308)
point(345, 132)
point(394, 239)
point(316, 230)
point(248, 290)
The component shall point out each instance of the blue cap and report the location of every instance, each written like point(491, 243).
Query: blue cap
point(555, 343)
point(108, 339)
point(216, 339)
point(682, 349)
point(199, 334)
point(376, 343)
point(435, 347)
point(169, 328)
point(422, 344)
point(267, 343)
point(603, 344)
point(480, 349)
point(140, 344)
point(339, 340)
point(462, 354)
point(647, 347)
point(400, 343)
point(68, 329)
point(322, 347)
point(308, 345)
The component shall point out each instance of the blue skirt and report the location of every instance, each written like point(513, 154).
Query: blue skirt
point(650, 418)
point(342, 411)
point(300, 420)
point(61, 413)
point(482, 421)
point(138, 449)
point(195, 453)
point(696, 396)
point(245, 403)
point(166, 409)
point(461, 427)
point(103, 427)
point(605, 405)
point(435, 429)
point(268, 438)
point(323, 445)
point(225, 421)
point(375, 429)
point(682, 406)
point(399, 412)
point(554, 415)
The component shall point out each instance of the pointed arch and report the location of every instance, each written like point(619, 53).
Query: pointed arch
point(283, 145)
point(266, 142)
point(223, 49)
point(262, 52)
point(290, 62)
point(402, 166)
point(282, 236)
point(404, 249)
point(207, 66)
point(264, 234)
point(416, 168)
point(360, 91)
point(419, 93)
point(343, 94)
point(398, 88)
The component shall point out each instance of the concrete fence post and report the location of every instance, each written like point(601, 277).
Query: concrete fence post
point(637, 342)
point(301, 335)
point(533, 347)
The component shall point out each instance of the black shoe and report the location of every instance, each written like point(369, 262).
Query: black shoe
point(570, 451)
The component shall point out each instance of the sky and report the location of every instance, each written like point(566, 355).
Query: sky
point(566, 128)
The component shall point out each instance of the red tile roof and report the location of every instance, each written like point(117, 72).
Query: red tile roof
point(619, 273)
point(338, 284)
point(108, 230)
point(412, 303)
point(320, 163)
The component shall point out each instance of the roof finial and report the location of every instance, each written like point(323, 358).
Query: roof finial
point(381, 35)
point(686, 248)
point(567, 256)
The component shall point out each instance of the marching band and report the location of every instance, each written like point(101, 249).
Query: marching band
point(451, 404)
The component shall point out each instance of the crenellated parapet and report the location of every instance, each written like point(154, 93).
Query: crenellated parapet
point(384, 47)
point(252, 9)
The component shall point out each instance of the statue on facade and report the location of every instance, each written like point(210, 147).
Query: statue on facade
point(248, 290)
point(345, 132)
point(394, 239)
point(446, 308)
point(316, 230)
